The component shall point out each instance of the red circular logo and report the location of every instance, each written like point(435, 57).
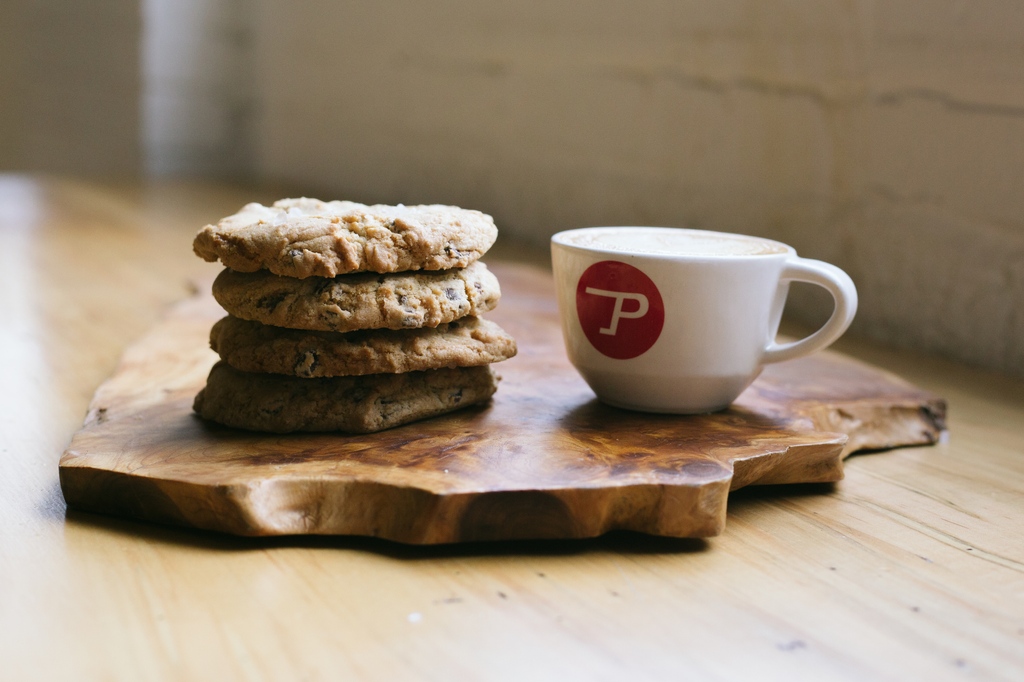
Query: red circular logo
point(620, 309)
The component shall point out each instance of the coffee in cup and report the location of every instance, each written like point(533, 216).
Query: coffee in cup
point(681, 321)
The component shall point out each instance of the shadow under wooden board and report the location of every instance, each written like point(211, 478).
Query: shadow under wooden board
point(543, 460)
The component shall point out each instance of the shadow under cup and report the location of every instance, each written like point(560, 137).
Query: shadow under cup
point(682, 321)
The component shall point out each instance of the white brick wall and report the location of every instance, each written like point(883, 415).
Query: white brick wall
point(197, 101)
point(112, 87)
point(887, 137)
point(69, 86)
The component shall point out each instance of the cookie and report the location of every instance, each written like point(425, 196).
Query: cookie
point(311, 238)
point(360, 301)
point(254, 347)
point(282, 404)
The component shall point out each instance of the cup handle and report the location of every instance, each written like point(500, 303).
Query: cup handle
point(844, 293)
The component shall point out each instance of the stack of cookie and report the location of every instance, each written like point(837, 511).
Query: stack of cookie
point(346, 317)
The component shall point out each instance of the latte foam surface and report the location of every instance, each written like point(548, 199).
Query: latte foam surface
point(669, 242)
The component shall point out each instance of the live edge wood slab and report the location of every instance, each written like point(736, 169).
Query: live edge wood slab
point(544, 459)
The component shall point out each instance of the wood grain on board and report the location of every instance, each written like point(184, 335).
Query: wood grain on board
point(544, 459)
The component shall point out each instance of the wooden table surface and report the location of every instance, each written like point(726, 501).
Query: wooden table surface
point(911, 568)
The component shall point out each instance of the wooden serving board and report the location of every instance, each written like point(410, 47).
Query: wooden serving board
point(543, 460)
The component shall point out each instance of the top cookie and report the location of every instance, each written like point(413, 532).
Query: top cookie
point(307, 237)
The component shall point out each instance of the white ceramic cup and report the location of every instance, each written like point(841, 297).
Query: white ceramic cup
point(681, 321)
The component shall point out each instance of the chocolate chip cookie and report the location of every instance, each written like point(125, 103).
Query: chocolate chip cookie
point(311, 238)
point(364, 404)
point(254, 347)
point(359, 301)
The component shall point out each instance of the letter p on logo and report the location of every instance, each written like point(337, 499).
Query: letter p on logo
point(620, 309)
point(619, 297)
